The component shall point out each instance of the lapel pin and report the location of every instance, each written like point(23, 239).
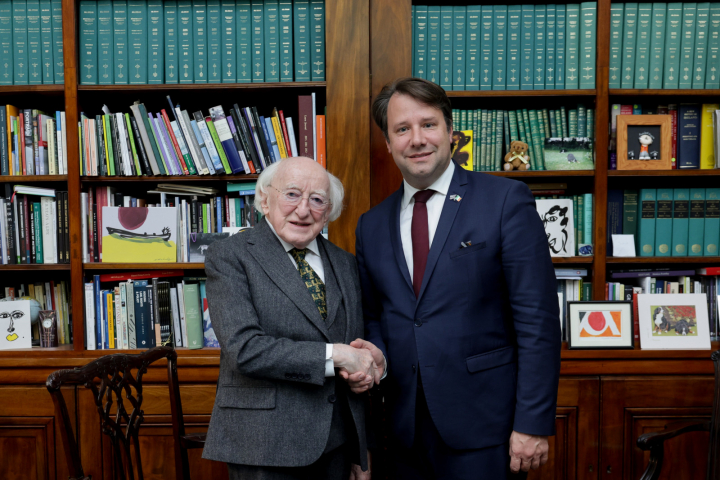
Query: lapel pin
point(455, 198)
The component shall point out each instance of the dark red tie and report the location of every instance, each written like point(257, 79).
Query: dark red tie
point(420, 237)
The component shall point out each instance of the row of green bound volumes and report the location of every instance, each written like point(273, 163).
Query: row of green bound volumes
point(201, 41)
point(491, 127)
point(32, 142)
point(679, 222)
point(31, 42)
point(51, 295)
point(506, 47)
point(146, 309)
point(665, 45)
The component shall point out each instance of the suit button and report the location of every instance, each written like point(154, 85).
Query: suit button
point(418, 322)
point(332, 398)
point(287, 375)
point(294, 376)
point(307, 376)
point(413, 368)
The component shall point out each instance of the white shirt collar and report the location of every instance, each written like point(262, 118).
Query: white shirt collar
point(312, 246)
point(441, 185)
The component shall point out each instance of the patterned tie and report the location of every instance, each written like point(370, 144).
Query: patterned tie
point(420, 237)
point(311, 279)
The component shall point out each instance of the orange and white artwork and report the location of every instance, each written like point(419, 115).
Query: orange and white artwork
point(600, 324)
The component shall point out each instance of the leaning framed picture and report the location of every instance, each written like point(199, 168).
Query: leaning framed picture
point(600, 325)
point(674, 321)
point(644, 142)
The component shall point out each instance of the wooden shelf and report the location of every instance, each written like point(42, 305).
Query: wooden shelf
point(36, 266)
point(32, 178)
point(663, 173)
point(60, 88)
point(520, 93)
point(634, 92)
point(143, 266)
point(572, 260)
point(200, 86)
point(692, 260)
point(544, 173)
point(171, 178)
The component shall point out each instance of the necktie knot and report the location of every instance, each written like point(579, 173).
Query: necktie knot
point(423, 196)
point(298, 254)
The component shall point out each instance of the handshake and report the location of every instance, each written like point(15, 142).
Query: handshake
point(361, 364)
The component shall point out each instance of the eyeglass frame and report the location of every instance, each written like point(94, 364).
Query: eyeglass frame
point(310, 206)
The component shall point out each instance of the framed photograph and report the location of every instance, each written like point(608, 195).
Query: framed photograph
point(644, 142)
point(570, 153)
point(15, 321)
point(600, 325)
point(674, 321)
point(557, 217)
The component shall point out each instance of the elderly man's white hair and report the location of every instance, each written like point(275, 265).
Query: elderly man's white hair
point(335, 195)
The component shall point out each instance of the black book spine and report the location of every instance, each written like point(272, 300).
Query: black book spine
point(253, 132)
point(31, 232)
point(102, 161)
point(236, 140)
point(261, 136)
point(96, 252)
point(66, 227)
point(10, 215)
point(59, 237)
point(140, 148)
point(193, 215)
point(241, 127)
point(128, 145)
point(116, 146)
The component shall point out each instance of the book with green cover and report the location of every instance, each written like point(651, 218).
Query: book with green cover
point(657, 45)
point(572, 45)
point(580, 229)
point(499, 67)
point(629, 45)
point(663, 222)
point(550, 46)
point(687, 44)
point(271, 30)
point(616, 31)
point(564, 122)
point(712, 222)
point(539, 46)
point(491, 141)
point(138, 40)
point(472, 55)
point(560, 46)
point(537, 142)
point(214, 42)
point(156, 42)
point(37, 226)
point(581, 121)
point(419, 47)
point(46, 42)
point(218, 145)
point(497, 160)
point(106, 46)
point(702, 28)
point(172, 47)
point(512, 118)
point(200, 39)
point(193, 316)
point(120, 39)
point(696, 223)
point(317, 40)
point(527, 51)
point(642, 45)
point(109, 150)
point(258, 41)
point(59, 71)
point(285, 9)
point(673, 35)
point(34, 42)
point(185, 41)
point(514, 26)
point(88, 44)
point(573, 123)
point(534, 160)
point(483, 138)
point(301, 29)
point(458, 59)
point(587, 52)
point(133, 151)
point(433, 46)
point(228, 54)
point(712, 75)
point(486, 46)
point(446, 46)
point(588, 218)
point(630, 216)
point(681, 210)
point(154, 141)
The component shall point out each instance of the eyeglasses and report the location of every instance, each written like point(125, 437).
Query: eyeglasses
point(292, 198)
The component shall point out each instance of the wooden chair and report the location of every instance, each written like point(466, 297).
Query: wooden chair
point(654, 441)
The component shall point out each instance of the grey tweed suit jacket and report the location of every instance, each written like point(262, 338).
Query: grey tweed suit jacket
point(274, 405)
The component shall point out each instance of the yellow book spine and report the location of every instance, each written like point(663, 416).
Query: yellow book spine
point(707, 150)
point(111, 320)
point(107, 152)
point(279, 137)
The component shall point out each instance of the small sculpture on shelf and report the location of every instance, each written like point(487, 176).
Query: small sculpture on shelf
point(517, 158)
point(646, 139)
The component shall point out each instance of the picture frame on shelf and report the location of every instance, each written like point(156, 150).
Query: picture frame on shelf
point(674, 321)
point(557, 217)
point(600, 325)
point(644, 142)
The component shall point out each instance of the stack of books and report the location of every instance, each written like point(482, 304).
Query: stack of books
point(31, 42)
point(571, 287)
point(51, 295)
point(32, 142)
point(506, 47)
point(201, 41)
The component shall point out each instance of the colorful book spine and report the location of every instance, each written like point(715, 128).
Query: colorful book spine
point(646, 227)
point(472, 54)
point(228, 39)
point(317, 39)
point(433, 45)
point(696, 223)
point(707, 136)
point(486, 46)
point(588, 34)
point(687, 44)
point(301, 29)
point(712, 222)
point(88, 43)
point(106, 45)
point(688, 137)
point(446, 46)
point(120, 40)
point(539, 46)
point(271, 31)
point(514, 24)
point(673, 35)
point(156, 42)
point(286, 40)
point(642, 46)
point(560, 35)
point(572, 44)
point(138, 40)
point(663, 223)
point(458, 60)
point(657, 45)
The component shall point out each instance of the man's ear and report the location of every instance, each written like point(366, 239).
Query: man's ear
point(387, 144)
point(264, 203)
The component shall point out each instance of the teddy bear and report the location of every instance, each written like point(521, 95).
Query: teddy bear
point(517, 158)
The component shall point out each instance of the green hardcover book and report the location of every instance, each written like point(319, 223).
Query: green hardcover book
point(6, 44)
point(433, 45)
point(37, 226)
point(576, 216)
point(663, 223)
point(258, 41)
point(243, 40)
point(20, 41)
point(657, 45)
point(156, 42)
point(317, 39)
point(702, 29)
point(560, 35)
point(446, 46)
point(642, 45)
point(527, 51)
point(154, 141)
point(616, 31)
point(564, 118)
point(681, 211)
point(588, 218)
point(88, 43)
point(573, 123)
point(34, 43)
point(673, 35)
point(472, 50)
point(133, 152)
point(458, 59)
point(285, 9)
point(214, 41)
point(228, 38)
point(497, 161)
point(629, 45)
point(712, 222)
point(537, 142)
point(138, 40)
point(120, 39)
point(687, 44)
point(271, 31)
point(171, 40)
point(539, 46)
point(712, 70)
point(590, 131)
point(193, 315)
point(476, 138)
point(490, 141)
point(581, 121)
point(580, 229)
point(534, 160)
point(106, 45)
point(487, 20)
point(46, 42)
point(512, 118)
point(630, 216)
point(550, 46)
point(185, 41)
point(514, 24)
point(419, 41)
point(522, 136)
point(107, 136)
point(200, 41)
point(483, 139)
point(572, 46)
point(301, 25)
point(696, 224)
point(546, 125)
point(57, 38)
point(463, 120)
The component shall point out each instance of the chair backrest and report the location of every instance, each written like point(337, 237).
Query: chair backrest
point(110, 378)
point(714, 446)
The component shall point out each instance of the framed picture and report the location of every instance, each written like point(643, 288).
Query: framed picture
point(674, 321)
point(644, 142)
point(600, 325)
point(557, 217)
point(570, 153)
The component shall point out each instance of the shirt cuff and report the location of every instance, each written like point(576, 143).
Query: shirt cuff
point(329, 366)
point(386, 369)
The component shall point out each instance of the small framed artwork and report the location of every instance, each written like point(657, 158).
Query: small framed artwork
point(557, 217)
point(600, 325)
point(674, 321)
point(644, 142)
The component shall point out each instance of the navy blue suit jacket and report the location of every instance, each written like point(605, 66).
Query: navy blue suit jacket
point(485, 330)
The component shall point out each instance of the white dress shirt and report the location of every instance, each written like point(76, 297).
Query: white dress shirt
point(434, 209)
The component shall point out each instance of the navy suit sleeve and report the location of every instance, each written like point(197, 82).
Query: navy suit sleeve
point(531, 285)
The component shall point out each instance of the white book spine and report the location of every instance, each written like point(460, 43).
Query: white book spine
point(118, 319)
point(89, 317)
point(59, 145)
point(123, 315)
point(176, 317)
point(3, 229)
point(232, 212)
point(291, 136)
point(47, 230)
point(181, 308)
point(190, 145)
point(63, 129)
point(130, 294)
point(123, 144)
point(50, 132)
point(167, 145)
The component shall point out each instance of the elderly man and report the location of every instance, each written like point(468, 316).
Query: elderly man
point(285, 304)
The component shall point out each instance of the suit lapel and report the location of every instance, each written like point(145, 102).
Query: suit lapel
point(332, 265)
point(269, 253)
point(447, 217)
point(396, 239)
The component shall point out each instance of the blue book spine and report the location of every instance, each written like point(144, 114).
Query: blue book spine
point(663, 224)
point(229, 45)
point(121, 54)
point(472, 48)
point(588, 41)
point(143, 328)
point(301, 30)
point(317, 39)
point(170, 38)
point(657, 45)
point(46, 42)
point(702, 29)
point(642, 45)
point(106, 46)
point(614, 217)
point(616, 31)
point(138, 40)
point(458, 60)
point(419, 41)
point(446, 46)
point(560, 35)
point(6, 43)
point(514, 32)
point(673, 37)
point(214, 39)
point(98, 312)
point(712, 222)
point(681, 214)
point(270, 133)
point(696, 224)
point(34, 43)
point(243, 19)
point(539, 57)
point(499, 46)
point(271, 30)
point(156, 41)
point(258, 41)
point(185, 41)
point(88, 42)
point(572, 46)
point(688, 137)
point(210, 145)
point(712, 68)
point(687, 44)
point(433, 46)
point(628, 46)
point(286, 40)
point(59, 69)
point(550, 46)
point(5, 149)
point(200, 41)
point(486, 47)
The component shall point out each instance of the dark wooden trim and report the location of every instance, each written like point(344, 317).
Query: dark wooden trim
point(520, 93)
point(692, 260)
point(58, 89)
point(143, 266)
point(36, 266)
point(646, 92)
point(544, 173)
point(32, 178)
point(201, 86)
point(664, 173)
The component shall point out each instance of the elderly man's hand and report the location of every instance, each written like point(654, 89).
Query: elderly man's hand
point(527, 451)
point(356, 365)
point(377, 355)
